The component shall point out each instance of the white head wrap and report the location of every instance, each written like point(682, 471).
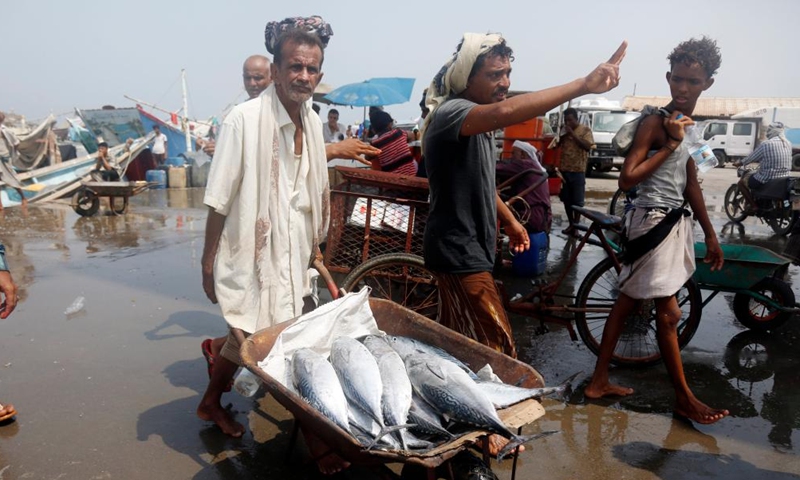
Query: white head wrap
point(452, 77)
point(775, 129)
point(527, 148)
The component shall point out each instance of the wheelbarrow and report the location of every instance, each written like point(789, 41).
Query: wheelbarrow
point(395, 319)
point(762, 299)
point(86, 201)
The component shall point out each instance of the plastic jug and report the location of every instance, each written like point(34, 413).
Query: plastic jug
point(534, 261)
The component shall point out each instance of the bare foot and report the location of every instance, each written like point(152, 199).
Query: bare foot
point(222, 418)
point(495, 443)
point(6, 412)
point(328, 462)
point(699, 412)
point(606, 389)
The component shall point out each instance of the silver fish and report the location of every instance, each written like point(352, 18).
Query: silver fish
point(406, 346)
point(362, 422)
point(316, 381)
point(456, 396)
point(425, 419)
point(396, 395)
point(503, 395)
point(359, 375)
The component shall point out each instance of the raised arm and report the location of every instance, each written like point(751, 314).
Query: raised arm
point(490, 117)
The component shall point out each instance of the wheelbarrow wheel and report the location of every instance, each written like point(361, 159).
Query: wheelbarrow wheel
point(401, 278)
point(756, 314)
point(735, 204)
point(638, 345)
point(85, 203)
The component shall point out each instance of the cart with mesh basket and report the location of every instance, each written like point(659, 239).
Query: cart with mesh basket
point(375, 237)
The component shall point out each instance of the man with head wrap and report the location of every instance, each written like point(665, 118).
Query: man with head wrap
point(467, 99)
point(774, 157)
point(267, 194)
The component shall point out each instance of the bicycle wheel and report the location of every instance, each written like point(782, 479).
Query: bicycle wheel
point(617, 204)
point(735, 204)
point(637, 345)
point(401, 278)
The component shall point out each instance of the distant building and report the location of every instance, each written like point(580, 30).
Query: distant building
point(714, 107)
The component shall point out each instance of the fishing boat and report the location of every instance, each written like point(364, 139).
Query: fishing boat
point(55, 181)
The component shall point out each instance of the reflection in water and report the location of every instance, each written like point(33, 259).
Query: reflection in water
point(108, 232)
point(753, 358)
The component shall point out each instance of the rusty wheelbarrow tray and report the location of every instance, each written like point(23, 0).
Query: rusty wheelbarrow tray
point(397, 320)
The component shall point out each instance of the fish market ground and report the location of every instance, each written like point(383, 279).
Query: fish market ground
point(111, 392)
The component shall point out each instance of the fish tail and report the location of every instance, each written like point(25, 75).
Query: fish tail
point(386, 431)
point(516, 441)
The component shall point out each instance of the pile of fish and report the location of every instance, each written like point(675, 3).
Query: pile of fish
point(402, 394)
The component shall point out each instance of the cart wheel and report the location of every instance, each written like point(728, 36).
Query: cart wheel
point(638, 345)
point(85, 203)
point(747, 356)
point(783, 219)
point(759, 316)
point(401, 278)
point(735, 204)
point(118, 210)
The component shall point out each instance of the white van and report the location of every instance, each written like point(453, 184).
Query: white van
point(731, 140)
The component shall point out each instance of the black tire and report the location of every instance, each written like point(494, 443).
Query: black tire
point(735, 204)
point(85, 203)
point(617, 204)
point(637, 345)
point(401, 278)
point(722, 158)
point(747, 356)
point(757, 315)
point(781, 219)
point(796, 162)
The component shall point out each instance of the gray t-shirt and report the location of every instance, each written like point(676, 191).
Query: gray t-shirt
point(664, 188)
point(462, 224)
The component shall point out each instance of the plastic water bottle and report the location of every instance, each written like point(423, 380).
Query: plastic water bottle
point(702, 154)
point(75, 307)
point(246, 383)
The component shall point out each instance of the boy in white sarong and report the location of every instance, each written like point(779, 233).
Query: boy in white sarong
point(660, 166)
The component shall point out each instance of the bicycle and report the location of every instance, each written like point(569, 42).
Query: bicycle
point(404, 277)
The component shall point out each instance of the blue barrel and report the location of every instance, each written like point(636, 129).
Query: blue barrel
point(156, 178)
point(534, 261)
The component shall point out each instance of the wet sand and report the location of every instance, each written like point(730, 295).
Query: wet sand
point(111, 391)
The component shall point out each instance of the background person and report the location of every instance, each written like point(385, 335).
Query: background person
point(536, 211)
point(656, 264)
point(332, 130)
point(395, 156)
point(576, 143)
point(159, 149)
point(774, 159)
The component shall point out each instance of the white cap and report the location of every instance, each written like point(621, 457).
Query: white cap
point(526, 147)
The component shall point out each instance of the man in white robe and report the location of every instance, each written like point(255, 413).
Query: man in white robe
point(268, 198)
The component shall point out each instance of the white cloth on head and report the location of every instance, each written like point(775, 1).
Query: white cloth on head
point(276, 208)
point(529, 149)
point(453, 76)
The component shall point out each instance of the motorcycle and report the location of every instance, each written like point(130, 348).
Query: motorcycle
point(773, 203)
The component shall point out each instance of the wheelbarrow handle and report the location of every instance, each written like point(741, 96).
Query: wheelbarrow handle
point(336, 292)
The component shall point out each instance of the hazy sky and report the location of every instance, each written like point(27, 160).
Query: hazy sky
point(60, 55)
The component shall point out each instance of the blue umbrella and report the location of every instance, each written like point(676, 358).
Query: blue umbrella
point(402, 85)
point(366, 94)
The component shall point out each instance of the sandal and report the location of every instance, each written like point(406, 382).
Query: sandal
point(10, 412)
point(210, 359)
